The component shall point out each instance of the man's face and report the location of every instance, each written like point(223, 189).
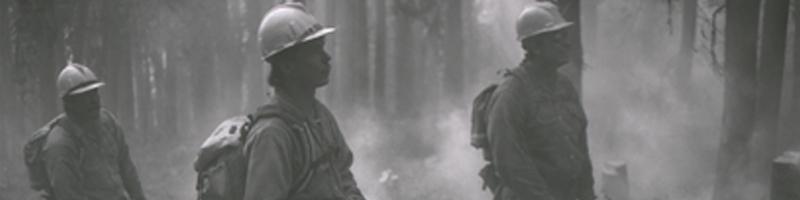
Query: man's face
point(83, 106)
point(313, 64)
point(555, 46)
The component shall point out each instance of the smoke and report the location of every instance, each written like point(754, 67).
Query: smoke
point(668, 136)
point(385, 169)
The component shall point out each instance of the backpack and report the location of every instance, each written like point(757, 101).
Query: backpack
point(33, 155)
point(221, 165)
point(479, 136)
point(480, 121)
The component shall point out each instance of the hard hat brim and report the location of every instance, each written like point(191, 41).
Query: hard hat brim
point(550, 29)
point(86, 88)
point(321, 33)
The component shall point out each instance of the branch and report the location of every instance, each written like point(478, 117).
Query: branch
point(712, 49)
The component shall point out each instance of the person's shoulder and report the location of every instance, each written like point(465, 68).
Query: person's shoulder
point(512, 85)
point(564, 80)
point(509, 83)
point(108, 118)
point(272, 127)
point(59, 138)
point(326, 113)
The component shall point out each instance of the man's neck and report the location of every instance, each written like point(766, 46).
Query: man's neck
point(87, 125)
point(302, 98)
point(541, 68)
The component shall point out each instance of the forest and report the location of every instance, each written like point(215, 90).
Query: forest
point(686, 99)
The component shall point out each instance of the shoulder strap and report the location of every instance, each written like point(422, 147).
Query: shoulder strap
point(300, 132)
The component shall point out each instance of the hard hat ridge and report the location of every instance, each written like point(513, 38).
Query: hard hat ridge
point(75, 79)
point(287, 25)
point(538, 18)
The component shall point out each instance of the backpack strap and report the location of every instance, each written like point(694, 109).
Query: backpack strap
point(301, 133)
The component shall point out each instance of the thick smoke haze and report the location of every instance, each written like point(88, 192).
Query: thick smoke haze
point(192, 64)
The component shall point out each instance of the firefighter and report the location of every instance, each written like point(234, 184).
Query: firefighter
point(85, 155)
point(302, 154)
point(536, 123)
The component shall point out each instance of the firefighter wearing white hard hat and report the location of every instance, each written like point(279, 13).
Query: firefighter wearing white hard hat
point(541, 17)
point(287, 25)
point(536, 128)
point(84, 148)
point(283, 163)
point(75, 79)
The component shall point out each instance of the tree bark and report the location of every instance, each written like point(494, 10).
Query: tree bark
point(770, 74)
point(741, 33)
point(351, 54)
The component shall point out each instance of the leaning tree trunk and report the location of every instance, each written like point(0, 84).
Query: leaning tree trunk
point(770, 75)
point(793, 140)
point(741, 33)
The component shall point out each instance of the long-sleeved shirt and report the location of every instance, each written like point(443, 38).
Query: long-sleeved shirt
point(90, 162)
point(537, 135)
point(284, 165)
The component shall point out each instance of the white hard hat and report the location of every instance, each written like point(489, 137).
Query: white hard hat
point(286, 25)
point(538, 18)
point(75, 79)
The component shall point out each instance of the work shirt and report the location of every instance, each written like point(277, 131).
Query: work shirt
point(90, 162)
point(284, 165)
point(537, 135)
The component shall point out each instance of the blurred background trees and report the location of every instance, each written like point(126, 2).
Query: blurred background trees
point(656, 78)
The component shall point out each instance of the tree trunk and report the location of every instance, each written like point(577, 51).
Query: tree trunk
point(590, 21)
point(793, 140)
point(403, 64)
point(31, 77)
point(351, 54)
point(5, 104)
point(571, 9)
point(35, 70)
point(684, 71)
point(379, 81)
point(454, 52)
point(770, 73)
point(741, 33)
point(115, 54)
